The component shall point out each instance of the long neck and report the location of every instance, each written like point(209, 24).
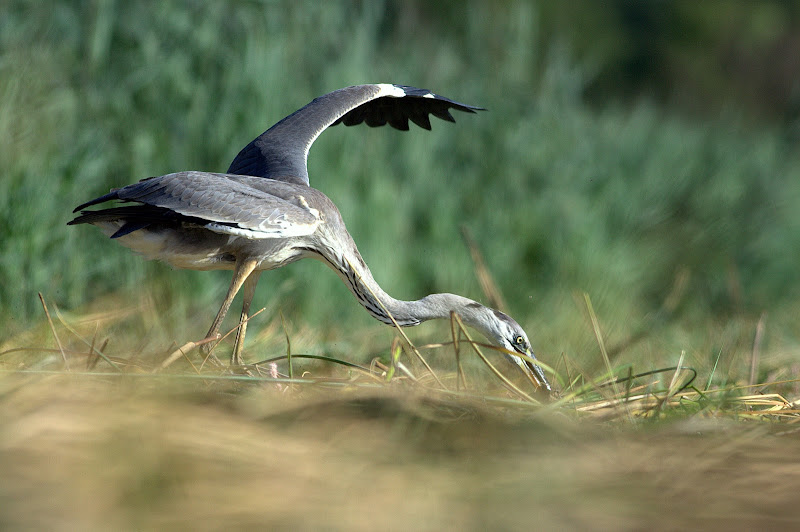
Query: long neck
point(355, 273)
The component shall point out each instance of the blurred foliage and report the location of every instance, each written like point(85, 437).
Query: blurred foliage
point(564, 193)
point(699, 57)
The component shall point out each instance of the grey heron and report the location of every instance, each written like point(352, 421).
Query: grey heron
point(263, 214)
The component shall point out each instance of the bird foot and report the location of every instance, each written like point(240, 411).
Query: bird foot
point(241, 369)
point(206, 349)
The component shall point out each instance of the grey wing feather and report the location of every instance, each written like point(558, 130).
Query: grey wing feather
point(226, 204)
point(281, 152)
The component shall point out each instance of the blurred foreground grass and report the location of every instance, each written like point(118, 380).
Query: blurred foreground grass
point(134, 446)
point(132, 454)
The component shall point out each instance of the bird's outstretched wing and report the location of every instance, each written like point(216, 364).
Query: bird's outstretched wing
point(281, 152)
point(223, 204)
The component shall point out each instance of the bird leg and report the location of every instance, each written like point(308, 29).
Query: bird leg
point(249, 290)
point(241, 272)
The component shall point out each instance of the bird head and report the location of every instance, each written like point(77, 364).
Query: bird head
point(503, 331)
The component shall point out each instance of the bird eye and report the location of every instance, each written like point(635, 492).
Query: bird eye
point(519, 340)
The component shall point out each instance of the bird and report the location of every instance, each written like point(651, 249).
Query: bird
point(263, 214)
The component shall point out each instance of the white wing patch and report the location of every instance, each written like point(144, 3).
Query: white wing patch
point(288, 231)
point(387, 89)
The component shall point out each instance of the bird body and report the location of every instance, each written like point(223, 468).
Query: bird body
point(263, 214)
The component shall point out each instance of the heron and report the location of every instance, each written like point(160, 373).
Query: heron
point(263, 214)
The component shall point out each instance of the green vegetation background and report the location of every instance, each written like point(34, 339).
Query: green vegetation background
point(615, 159)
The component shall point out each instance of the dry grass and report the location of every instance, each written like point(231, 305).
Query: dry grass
point(340, 448)
point(99, 453)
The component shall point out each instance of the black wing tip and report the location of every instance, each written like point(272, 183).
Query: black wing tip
point(416, 92)
point(106, 197)
point(420, 103)
point(82, 218)
point(87, 217)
